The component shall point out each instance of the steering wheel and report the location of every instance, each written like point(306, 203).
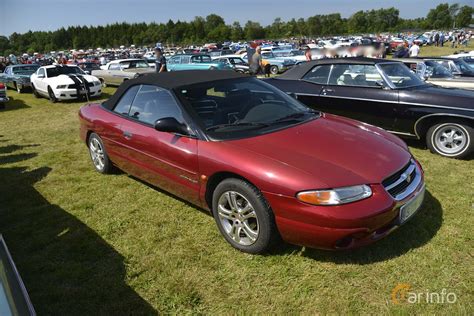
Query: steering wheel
point(401, 80)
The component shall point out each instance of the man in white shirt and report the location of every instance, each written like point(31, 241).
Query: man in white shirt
point(414, 50)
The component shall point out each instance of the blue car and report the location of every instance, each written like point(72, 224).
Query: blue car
point(19, 76)
point(194, 62)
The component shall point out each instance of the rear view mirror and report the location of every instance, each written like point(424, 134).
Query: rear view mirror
point(171, 125)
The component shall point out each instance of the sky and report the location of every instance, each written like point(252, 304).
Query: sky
point(48, 15)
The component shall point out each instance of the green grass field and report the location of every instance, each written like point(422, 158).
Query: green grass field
point(86, 243)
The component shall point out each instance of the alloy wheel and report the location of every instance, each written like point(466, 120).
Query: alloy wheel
point(97, 154)
point(238, 218)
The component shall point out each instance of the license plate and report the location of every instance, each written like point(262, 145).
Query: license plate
point(410, 208)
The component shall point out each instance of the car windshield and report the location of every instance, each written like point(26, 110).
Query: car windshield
point(435, 70)
point(134, 64)
point(464, 67)
point(25, 70)
point(245, 107)
point(400, 75)
point(63, 70)
point(237, 60)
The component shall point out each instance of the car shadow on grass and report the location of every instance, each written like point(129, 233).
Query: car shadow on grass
point(66, 266)
point(414, 234)
point(14, 104)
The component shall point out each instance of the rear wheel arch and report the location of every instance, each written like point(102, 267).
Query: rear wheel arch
point(424, 123)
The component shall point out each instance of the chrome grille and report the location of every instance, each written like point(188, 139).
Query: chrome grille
point(404, 181)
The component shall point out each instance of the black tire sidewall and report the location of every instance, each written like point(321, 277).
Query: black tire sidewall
point(51, 95)
point(35, 93)
point(434, 149)
point(268, 233)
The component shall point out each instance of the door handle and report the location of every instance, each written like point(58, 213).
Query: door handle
point(127, 135)
point(325, 90)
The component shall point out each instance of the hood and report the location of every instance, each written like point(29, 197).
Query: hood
point(67, 78)
point(437, 95)
point(331, 151)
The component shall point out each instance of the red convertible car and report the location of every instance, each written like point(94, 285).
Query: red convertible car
point(264, 164)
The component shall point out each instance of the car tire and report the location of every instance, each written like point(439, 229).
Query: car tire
point(98, 154)
point(450, 139)
point(35, 92)
point(51, 95)
point(18, 88)
point(244, 217)
point(104, 85)
point(274, 70)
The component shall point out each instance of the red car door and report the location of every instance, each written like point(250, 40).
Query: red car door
point(166, 160)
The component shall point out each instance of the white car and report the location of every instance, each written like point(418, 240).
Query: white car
point(64, 82)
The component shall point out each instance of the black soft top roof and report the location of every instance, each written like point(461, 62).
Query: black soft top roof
point(298, 71)
point(172, 80)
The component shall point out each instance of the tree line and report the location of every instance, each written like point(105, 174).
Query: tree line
point(214, 29)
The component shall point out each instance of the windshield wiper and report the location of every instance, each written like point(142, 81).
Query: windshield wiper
point(254, 124)
point(295, 116)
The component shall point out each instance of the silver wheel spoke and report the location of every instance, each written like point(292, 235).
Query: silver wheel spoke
point(231, 198)
point(236, 233)
point(249, 232)
point(225, 213)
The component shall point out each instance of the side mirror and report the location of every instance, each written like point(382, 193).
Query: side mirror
point(171, 125)
point(293, 95)
point(380, 83)
point(41, 76)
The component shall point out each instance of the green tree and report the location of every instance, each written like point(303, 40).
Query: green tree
point(464, 16)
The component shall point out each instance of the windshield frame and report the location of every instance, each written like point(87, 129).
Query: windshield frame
point(61, 72)
point(390, 83)
point(236, 134)
point(18, 67)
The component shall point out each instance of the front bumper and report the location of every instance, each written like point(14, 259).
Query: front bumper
point(4, 99)
point(345, 226)
point(71, 94)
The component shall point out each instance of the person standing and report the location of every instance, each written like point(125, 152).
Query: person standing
point(414, 50)
point(160, 61)
point(307, 54)
point(256, 64)
point(436, 39)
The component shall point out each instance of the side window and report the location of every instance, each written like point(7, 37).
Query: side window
point(175, 60)
point(153, 103)
point(123, 106)
point(41, 72)
point(114, 67)
point(354, 75)
point(319, 74)
point(7, 70)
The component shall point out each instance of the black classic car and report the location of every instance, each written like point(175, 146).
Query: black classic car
point(389, 95)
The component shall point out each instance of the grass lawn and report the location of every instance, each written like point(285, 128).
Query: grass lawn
point(446, 50)
point(86, 243)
